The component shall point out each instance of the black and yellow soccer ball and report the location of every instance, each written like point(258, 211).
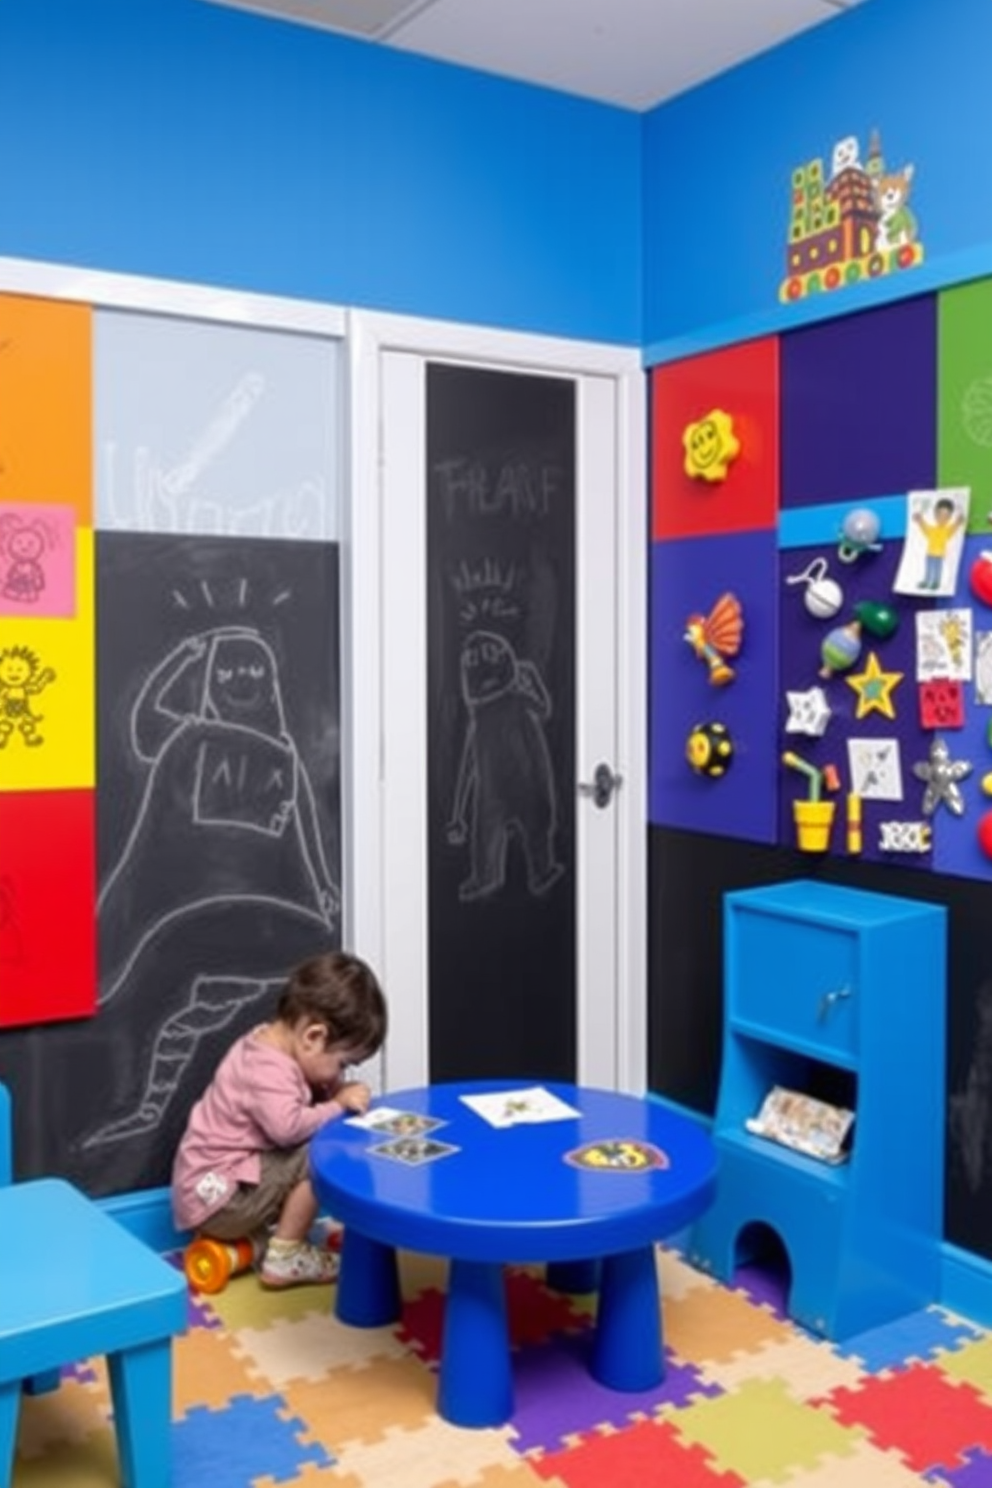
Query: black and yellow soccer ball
point(710, 749)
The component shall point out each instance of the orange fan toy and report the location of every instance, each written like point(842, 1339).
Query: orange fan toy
point(716, 636)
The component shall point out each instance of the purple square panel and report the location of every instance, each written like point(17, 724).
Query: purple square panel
point(870, 578)
point(859, 405)
point(688, 576)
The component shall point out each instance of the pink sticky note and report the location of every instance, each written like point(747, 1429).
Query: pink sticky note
point(37, 560)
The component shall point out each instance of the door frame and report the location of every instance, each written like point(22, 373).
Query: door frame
point(389, 916)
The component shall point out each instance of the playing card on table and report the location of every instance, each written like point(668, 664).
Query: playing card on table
point(413, 1151)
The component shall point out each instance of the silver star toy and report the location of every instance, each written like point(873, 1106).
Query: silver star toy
point(942, 774)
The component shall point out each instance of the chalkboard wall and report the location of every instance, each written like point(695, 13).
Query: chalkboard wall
point(689, 874)
point(501, 724)
point(218, 840)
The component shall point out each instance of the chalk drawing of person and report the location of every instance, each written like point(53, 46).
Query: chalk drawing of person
point(227, 817)
point(505, 784)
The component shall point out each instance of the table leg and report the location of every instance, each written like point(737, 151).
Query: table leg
point(141, 1387)
point(476, 1385)
point(368, 1292)
point(10, 1409)
point(627, 1349)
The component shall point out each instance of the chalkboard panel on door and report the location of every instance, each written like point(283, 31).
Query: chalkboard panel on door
point(501, 682)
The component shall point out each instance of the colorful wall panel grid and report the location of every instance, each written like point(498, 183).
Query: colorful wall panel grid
point(821, 591)
point(47, 712)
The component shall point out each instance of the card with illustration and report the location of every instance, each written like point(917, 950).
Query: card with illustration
point(396, 1123)
point(513, 1107)
point(618, 1155)
point(935, 526)
point(876, 769)
point(983, 667)
point(413, 1152)
point(943, 645)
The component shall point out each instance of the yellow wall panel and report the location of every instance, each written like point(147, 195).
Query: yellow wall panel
point(48, 692)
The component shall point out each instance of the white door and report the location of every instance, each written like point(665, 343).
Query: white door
point(395, 368)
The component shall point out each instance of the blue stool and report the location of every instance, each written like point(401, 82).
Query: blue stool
point(74, 1283)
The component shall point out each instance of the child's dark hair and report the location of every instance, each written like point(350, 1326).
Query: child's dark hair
point(341, 991)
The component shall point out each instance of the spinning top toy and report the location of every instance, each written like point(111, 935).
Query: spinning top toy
point(841, 648)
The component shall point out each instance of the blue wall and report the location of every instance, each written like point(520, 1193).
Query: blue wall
point(718, 165)
point(190, 141)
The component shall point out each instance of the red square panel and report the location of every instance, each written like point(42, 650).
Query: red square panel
point(47, 906)
point(743, 383)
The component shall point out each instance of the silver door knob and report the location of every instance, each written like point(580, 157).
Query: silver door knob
point(602, 787)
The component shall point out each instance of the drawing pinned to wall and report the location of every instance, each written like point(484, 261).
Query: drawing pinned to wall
point(37, 560)
point(943, 645)
point(931, 554)
point(876, 768)
point(983, 668)
point(852, 224)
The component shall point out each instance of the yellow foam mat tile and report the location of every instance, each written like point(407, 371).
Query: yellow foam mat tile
point(808, 1369)
point(712, 1325)
point(306, 1348)
point(89, 1463)
point(69, 1414)
point(244, 1303)
point(349, 1406)
point(972, 1363)
point(436, 1453)
point(678, 1278)
point(208, 1369)
point(761, 1432)
point(864, 1467)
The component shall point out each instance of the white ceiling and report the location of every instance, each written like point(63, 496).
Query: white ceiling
point(634, 53)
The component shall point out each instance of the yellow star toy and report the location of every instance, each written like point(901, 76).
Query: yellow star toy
point(874, 688)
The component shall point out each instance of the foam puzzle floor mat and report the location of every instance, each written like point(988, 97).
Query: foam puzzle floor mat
point(270, 1390)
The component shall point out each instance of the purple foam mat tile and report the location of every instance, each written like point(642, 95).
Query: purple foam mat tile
point(859, 405)
point(765, 1286)
point(977, 1473)
point(557, 1397)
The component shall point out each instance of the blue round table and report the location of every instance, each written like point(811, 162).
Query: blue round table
point(510, 1195)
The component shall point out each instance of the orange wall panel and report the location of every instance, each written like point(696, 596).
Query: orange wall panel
point(46, 417)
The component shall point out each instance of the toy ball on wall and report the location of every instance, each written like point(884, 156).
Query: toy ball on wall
point(710, 749)
point(711, 446)
point(859, 534)
point(716, 636)
point(980, 577)
point(824, 596)
point(850, 224)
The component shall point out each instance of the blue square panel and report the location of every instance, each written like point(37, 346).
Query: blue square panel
point(859, 405)
point(688, 577)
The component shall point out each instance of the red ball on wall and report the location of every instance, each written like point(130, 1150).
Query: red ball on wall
point(980, 578)
point(985, 834)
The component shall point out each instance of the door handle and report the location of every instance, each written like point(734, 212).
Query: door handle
point(602, 787)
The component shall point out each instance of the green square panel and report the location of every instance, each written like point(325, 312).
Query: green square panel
point(964, 398)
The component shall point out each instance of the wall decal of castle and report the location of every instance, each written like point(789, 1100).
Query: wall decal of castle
point(852, 225)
